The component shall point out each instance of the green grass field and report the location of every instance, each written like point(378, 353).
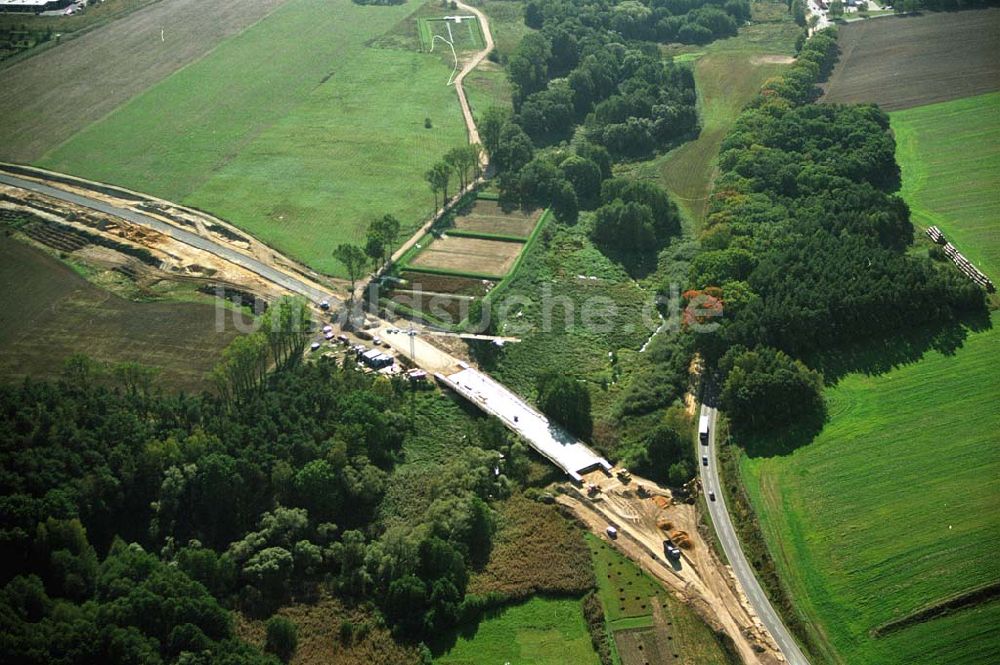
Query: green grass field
point(487, 85)
point(728, 73)
point(465, 35)
point(300, 145)
point(628, 595)
point(542, 631)
point(507, 23)
point(893, 507)
point(950, 165)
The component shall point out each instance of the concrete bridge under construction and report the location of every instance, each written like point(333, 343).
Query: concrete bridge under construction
point(551, 441)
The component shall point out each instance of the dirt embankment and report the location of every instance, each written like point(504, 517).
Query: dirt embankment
point(644, 519)
point(141, 253)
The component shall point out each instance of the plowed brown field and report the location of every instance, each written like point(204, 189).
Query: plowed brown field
point(901, 62)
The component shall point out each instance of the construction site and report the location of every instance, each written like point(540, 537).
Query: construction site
point(665, 537)
point(641, 519)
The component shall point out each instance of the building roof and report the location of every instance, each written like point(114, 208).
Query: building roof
point(24, 3)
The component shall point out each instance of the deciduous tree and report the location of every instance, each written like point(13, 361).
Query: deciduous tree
point(353, 258)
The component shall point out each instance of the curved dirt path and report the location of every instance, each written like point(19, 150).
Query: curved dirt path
point(470, 126)
point(470, 122)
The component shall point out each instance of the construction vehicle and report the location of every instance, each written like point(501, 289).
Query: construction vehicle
point(624, 475)
point(593, 489)
point(670, 550)
point(664, 524)
point(681, 538)
point(642, 491)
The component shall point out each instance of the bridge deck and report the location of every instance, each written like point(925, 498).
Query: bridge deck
point(561, 448)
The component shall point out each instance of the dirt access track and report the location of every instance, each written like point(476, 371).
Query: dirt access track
point(901, 62)
point(188, 243)
point(53, 95)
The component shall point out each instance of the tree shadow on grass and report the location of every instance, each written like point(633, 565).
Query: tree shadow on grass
point(637, 264)
point(444, 642)
point(785, 440)
point(878, 356)
point(871, 358)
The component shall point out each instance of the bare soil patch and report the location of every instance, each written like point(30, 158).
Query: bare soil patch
point(644, 646)
point(901, 62)
point(772, 60)
point(419, 281)
point(489, 217)
point(48, 312)
point(488, 257)
point(53, 95)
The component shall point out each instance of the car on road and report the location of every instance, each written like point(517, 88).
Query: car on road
point(704, 460)
point(377, 341)
point(711, 495)
point(324, 305)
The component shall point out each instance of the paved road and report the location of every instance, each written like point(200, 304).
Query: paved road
point(188, 238)
point(734, 552)
point(709, 474)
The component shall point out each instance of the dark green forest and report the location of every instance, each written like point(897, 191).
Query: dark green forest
point(132, 521)
point(807, 246)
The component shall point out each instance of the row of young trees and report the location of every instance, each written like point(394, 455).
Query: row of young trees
point(463, 162)
point(380, 242)
point(284, 333)
point(806, 245)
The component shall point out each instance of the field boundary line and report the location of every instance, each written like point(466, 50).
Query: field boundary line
point(482, 235)
point(450, 273)
point(509, 277)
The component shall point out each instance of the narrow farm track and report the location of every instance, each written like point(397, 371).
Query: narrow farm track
point(470, 121)
point(470, 124)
